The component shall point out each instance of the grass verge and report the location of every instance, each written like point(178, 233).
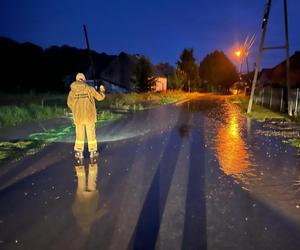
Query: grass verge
point(14, 150)
point(141, 101)
point(16, 110)
point(261, 114)
point(258, 113)
point(294, 142)
point(15, 115)
point(27, 108)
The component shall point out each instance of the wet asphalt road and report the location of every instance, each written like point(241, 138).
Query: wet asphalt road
point(194, 176)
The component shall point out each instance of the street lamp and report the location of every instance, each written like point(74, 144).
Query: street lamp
point(242, 54)
point(238, 53)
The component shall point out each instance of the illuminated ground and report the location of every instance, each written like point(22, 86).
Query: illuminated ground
point(193, 176)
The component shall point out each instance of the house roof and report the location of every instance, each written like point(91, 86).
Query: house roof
point(265, 77)
point(158, 73)
point(121, 69)
point(279, 71)
point(163, 70)
point(267, 73)
point(277, 75)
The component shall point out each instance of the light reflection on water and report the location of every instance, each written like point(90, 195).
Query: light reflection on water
point(86, 202)
point(232, 151)
point(267, 168)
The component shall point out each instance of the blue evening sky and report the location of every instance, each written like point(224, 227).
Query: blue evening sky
point(159, 29)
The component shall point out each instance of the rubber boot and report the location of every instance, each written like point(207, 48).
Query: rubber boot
point(94, 154)
point(78, 154)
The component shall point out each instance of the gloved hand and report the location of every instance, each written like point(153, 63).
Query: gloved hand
point(102, 89)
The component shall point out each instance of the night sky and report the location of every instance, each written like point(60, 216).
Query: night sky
point(159, 29)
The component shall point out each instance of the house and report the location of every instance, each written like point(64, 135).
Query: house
point(121, 70)
point(279, 72)
point(110, 87)
point(265, 78)
point(119, 75)
point(240, 87)
point(276, 77)
point(161, 74)
point(160, 84)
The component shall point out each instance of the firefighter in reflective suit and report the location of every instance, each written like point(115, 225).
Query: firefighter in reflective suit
point(81, 101)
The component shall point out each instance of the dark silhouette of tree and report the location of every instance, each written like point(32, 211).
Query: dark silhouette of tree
point(22, 66)
point(27, 67)
point(217, 71)
point(143, 74)
point(177, 80)
point(187, 64)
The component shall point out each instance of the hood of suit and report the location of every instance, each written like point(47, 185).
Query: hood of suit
point(78, 86)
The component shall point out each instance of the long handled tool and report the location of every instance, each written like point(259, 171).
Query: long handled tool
point(90, 55)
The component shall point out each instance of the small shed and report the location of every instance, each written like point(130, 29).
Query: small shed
point(160, 84)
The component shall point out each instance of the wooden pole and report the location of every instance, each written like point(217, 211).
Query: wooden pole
point(261, 47)
point(287, 50)
point(271, 98)
point(248, 70)
point(296, 105)
point(281, 100)
point(90, 54)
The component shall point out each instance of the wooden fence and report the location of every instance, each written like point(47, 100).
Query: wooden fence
point(274, 98)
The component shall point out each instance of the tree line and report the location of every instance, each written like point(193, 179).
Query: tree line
point(27, 67)
point(214, 73)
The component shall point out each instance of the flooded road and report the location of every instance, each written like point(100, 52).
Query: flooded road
point(193, 176)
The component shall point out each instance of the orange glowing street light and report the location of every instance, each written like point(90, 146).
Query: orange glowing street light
point(242, 51)
point(241, 54)
point(238, 53)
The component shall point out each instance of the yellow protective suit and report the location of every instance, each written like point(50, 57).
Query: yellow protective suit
point(81, 101)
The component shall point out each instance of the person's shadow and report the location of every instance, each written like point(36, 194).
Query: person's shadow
point(85, 207)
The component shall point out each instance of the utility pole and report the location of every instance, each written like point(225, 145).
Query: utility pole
point(287, 50)
point(248, 70)
point(261, 49)
point(240, 75)
point(90, 54)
